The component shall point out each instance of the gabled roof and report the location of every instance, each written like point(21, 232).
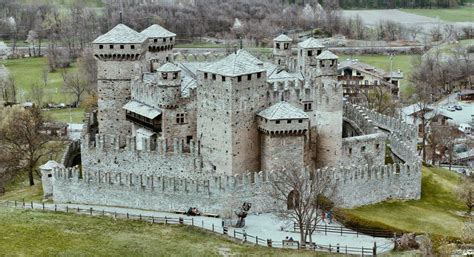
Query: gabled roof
point(156, 31)
point(310, 43)
point(283, 38)
point(142, 109)
point(50, 165)
point(327, 55)
point(236, 64)
point(120, 34)
point(168, 67)
point(282, 110)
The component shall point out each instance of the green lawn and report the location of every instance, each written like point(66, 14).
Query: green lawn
point(453, 14)
point(437, 213)
point(74, 115)
point(400, 62)
point(35, 233)
point(28, 71)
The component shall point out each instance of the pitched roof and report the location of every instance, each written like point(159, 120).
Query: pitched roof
point(156, 31)
point(168, 67)
point(310, 43)
point(142, 109)
point(327, 55)
point(282, 110)
point(283, 38)
point(236, 64)
point(50, 165)
point(120, 34)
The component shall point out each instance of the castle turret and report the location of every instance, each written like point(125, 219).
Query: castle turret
point(233, 91)
point(160, 46)
point(308, 50)
point(328, 110)
point(283, 130)
point(117, 52)
point(169, 82)
point(282, 50)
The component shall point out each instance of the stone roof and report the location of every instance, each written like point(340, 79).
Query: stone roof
point(239, 63)
point(120, 34)
point(282, 110)
point(311, 43)
point(168, 67)
point(156, 31)
point(50, 165)
point(283, 38)
point(142, 109)
point(327, 55)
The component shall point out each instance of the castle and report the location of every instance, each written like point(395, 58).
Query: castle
point(173, 131)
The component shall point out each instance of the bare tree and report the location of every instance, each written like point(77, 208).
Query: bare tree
point(448, 140)
point(301, 196)
point(75, 85)
point(380, 98)
point(465, 193)
point(23, 137)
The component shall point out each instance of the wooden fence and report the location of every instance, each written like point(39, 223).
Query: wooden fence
point(345, 231)
point(219, 229)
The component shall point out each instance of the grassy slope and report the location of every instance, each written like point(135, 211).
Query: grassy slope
point(74, 115)
point(75, 235)
point(453, 14)
point(402, 62)
point(435, 213)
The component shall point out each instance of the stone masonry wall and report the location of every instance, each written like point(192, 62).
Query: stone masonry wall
point(364, 150)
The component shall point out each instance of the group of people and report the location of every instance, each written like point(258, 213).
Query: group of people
point(193, 211)
point(327, 215)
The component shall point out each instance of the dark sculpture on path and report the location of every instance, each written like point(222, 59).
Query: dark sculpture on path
point(242, 214)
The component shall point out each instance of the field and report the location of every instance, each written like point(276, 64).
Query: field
point(400, 62)
point(454, 14)
point(73, 115)
point(437, 213)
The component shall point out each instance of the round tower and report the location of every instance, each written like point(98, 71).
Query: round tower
point(283, 129)
point(117, 53)
point(282, 50)
point(169, 84)
point(160, 46)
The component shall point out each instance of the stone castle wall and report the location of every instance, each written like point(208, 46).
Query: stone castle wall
point(364, 150)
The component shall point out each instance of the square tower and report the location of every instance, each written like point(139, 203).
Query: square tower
point(308, 50)
point(232, 92)
point(282, 51)
point(160, 46)
point(119, 54)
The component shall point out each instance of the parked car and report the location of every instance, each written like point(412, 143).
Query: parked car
point(458, 107)
point(451, 108)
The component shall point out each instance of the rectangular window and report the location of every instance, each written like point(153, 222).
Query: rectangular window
point(362, 149)
point(180, 118)
point(300, 121)
point(277, 122)
point(132, 47)
point(308, 107)
point(111, 46)
point(278, 45)
point(377, 146)
point(171, 39)
point(155, 40)
point(259, 75)
point(223, 79)
point(310, 53)
point(319, 52)
point(286, 46)
point(249, 77)
point(350, 150)
point(122, 47)
point(205, 75)
point(175, 75)
point(213, 76)
point(288, 121)
point(239, 78)
point(164, 39)
point(101, 46)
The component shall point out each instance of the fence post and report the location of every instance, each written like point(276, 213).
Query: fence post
point(192, 221)
point(55, 208)
point(374, 250)
point(341, 230)
point(32, 205)
point(90, 211)
point(15, 203)
point(115, 215)
point(77, 209)
point(43, 206)
point(362, 251)
point(166, 220)
point(127, 216)
point(202, 224)
point(212, 227)
point(346, 249)
point(326, 229)
point(153, 219)
point(224, 230)
point(269, 243)
point(103, 212)
point(67, 209)
point(337, 248)
point(234, 233)
point(23, 202)
point(330, 248)
point(140, 215)
point(256, 240)
point(181, 221)
point(245, 237)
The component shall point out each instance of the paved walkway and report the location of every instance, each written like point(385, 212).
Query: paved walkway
point(264, 226)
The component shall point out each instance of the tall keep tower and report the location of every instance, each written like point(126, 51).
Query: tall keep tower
point(328, 110)
point(117, 52)
point(282, 51)
point(160, 46)
point(232, 93)
point(308, 50)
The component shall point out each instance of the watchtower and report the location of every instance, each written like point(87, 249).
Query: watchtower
point(282, 50)
point(117, 52)
point(232, 93)
point(160, 46)
point(308, 50)
point(328, 110)
point(283, 130)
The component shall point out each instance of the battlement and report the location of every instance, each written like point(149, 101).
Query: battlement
point(129, 143)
